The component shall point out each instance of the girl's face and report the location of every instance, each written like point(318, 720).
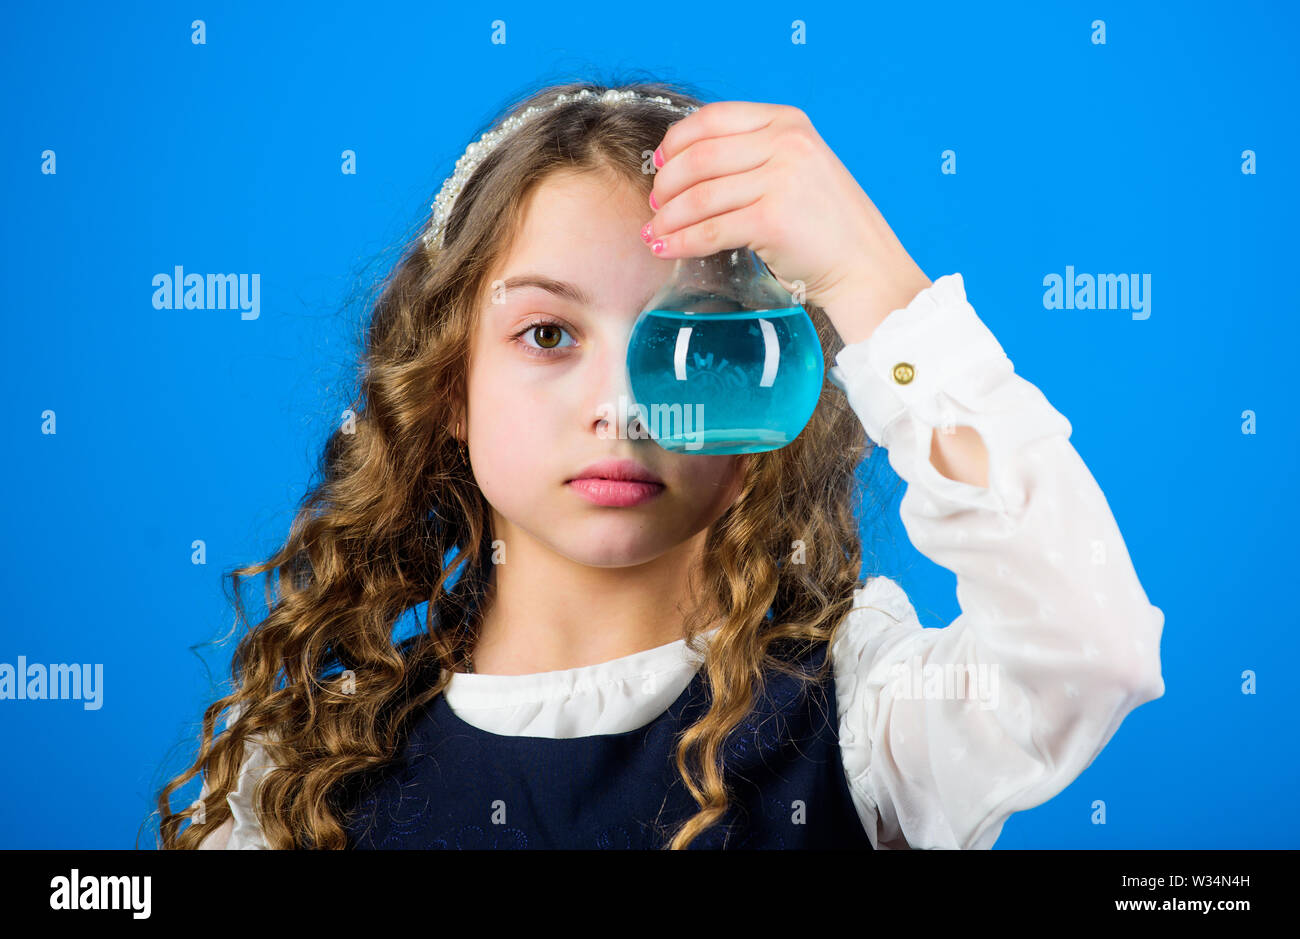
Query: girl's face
point(543, 401)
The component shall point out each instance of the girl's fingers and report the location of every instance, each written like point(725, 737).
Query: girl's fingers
point(703, 201)
point(710, 158)
point(717, 119)
point(718, 233)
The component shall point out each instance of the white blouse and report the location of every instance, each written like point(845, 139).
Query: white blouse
point(944, 732)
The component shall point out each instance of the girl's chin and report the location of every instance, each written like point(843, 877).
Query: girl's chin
point(601, 550)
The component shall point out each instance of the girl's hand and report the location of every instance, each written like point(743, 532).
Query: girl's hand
point(741, 173)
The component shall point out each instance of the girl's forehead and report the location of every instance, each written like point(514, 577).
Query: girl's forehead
point(583, 200)
point(578, 242)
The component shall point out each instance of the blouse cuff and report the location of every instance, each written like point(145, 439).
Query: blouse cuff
point(934, 365)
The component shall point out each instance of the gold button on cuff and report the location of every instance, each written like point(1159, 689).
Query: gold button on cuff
point(903, 373)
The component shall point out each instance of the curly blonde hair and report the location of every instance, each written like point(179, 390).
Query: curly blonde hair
point(397, 512)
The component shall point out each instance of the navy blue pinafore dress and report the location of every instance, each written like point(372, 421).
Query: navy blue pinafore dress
point(456, 786)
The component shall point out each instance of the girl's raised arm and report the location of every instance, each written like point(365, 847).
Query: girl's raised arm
point(946, 732)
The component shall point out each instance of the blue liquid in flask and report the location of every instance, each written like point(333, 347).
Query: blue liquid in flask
point(738, 382)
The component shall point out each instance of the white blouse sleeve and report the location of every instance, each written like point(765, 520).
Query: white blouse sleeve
point(945, 733)
point(242, 829)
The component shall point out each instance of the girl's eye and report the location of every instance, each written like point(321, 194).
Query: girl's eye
point(546, 333)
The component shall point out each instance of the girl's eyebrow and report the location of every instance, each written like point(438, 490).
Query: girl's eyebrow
point(560, 288)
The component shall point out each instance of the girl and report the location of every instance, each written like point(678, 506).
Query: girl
point(695, 663)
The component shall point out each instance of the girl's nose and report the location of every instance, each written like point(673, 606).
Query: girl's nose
point(612, 404)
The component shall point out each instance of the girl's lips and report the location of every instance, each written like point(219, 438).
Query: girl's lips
point(614, 492)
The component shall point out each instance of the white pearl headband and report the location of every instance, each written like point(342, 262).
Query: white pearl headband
point(478, 151)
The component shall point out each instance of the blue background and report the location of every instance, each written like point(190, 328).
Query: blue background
point(182, 424)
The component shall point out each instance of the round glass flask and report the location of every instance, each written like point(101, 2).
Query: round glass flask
point(723, 360)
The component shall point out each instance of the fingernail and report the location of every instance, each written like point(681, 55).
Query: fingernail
point(645, 231)
point(658, 246)
point(659, 156)
point(654, 205)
